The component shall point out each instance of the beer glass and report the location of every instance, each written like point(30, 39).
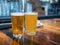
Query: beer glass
point(17, 24)
point(31, 22)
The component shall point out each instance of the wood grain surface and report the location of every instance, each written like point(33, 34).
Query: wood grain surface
point(48, 34)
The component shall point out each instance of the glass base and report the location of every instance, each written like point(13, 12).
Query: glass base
point(31, 34)
point(17, 36)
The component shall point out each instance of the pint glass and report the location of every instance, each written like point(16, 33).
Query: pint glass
point(31, 22)
point(17, 24)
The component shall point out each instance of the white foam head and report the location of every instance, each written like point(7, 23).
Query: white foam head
point(17, 14)
point(32, 13)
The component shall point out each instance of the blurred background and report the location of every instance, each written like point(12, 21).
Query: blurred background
point(45, 8)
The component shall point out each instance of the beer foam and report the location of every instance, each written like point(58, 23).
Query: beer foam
point(31, 13)
point(17, 14)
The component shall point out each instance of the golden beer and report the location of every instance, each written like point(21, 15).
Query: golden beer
point(17, 23)
point(31, 21)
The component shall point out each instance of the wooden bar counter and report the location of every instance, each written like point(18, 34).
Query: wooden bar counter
point(48, 34)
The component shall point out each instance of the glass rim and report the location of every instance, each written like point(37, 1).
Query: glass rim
point(17, 14)
point(35, 13)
